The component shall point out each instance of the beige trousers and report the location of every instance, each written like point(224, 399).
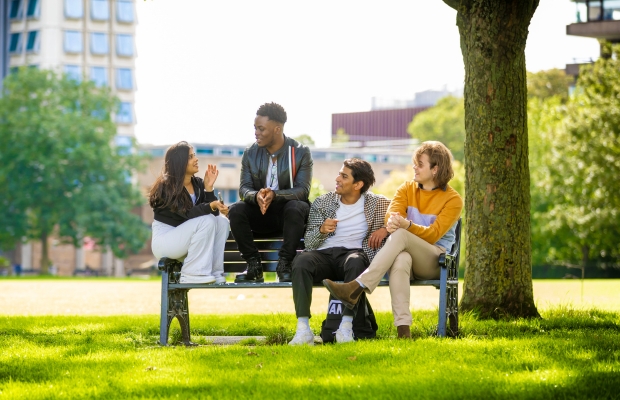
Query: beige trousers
point(403, 254)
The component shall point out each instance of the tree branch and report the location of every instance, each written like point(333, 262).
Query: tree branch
point(452, 3)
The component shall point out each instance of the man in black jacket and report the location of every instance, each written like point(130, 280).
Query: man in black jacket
point(276, 173)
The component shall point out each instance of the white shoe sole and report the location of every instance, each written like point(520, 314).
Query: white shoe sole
point(197, 279)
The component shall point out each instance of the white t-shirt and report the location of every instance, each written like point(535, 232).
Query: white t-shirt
point(351, 228)
point(272, 174)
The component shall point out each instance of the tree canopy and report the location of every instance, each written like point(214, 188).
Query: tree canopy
point(575, 168)
point(61, 172)
point(445, 122)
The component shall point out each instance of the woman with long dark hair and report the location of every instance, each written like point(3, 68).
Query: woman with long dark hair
point(190, 223)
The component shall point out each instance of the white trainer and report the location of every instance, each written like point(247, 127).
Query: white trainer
point(344, 334)
point(302, 337)
point(197, 278)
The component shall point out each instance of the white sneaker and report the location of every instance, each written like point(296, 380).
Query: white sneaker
point(302, 337)
point(220, 279)
point(344, 334)
point(197, 278)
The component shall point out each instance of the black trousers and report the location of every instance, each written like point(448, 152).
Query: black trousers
point(335, 263)
point(283, 218)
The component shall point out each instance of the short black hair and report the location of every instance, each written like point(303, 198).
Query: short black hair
point(361, 171)
point(273, 111)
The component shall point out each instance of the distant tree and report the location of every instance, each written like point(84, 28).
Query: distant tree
point(341, 136)
point(60, 172)
point(575, 202)
point(545, 84)
point(445, 122)
point(498, 276)
point(316, 189)
point(305, 139)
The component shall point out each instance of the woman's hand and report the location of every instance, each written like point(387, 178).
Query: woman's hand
point(216, 205)
point(210, 177)
point(396, 221)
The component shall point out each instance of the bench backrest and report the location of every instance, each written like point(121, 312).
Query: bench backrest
point(267, 247)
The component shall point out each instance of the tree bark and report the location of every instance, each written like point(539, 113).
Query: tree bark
point(498, 275)
point(45, 262)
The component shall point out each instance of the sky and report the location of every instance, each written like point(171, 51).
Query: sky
point(204, 67)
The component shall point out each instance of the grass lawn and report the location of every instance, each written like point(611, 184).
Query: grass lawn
point(572, 352)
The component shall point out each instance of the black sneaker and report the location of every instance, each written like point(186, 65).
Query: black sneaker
point(284, 270)
point(253, 273)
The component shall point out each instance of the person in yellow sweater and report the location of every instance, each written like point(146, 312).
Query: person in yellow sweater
point(421, 219)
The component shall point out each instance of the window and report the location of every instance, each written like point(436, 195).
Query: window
point(73, 42)
point(124, 45)
point(124, 11)
point(15, 12)
point(205, 150)
point(15, 45)
point(228, 165)
point(74, 9)
point(99, 10)
point(123, 79)
point(99, 43)
point(74, 72)
point(99, 75)
point(124, 145)
point(124, 115)
point(32, 45)
point(232, 196)
point(34, 9)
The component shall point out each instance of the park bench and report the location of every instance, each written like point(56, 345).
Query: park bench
point(174, 303)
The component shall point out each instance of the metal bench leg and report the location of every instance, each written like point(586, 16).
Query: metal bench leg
point(164, 322)
point(179, 307)
point(443, 299)
point(453, 309)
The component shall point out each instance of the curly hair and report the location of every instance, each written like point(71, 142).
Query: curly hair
point(439, 155)
point(273, 111)
point(361, 171)
point(167, 191)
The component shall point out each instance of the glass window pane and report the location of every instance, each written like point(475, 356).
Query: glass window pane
point(124, 115)
point(124, 79)
point(16, 9)
point(594, 10)
point(612, 10)
point(99, 43)
point(73, 72)
point(73, 42)
point(99, 10)
point(74, 9)
point(99, 75)
point(124, 45)
point(124, 11)
point(32, 45)
point(15, 45)
point(33, 9)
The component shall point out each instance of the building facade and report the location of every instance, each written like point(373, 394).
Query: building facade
point(85, 39)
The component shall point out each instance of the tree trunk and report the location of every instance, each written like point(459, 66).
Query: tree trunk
point(498, 275)
point(45, 262)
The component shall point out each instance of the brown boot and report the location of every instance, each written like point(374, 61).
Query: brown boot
point(403, 332)
point(349, 293)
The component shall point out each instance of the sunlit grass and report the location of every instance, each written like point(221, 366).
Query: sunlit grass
point(567, 354)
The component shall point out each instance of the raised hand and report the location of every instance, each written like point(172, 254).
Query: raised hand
point(329, 226)
point(210, 177)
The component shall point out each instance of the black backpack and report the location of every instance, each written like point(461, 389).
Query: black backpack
point(364, 323)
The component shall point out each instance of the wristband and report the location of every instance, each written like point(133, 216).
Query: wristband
point(410, 223)
point(212, 209)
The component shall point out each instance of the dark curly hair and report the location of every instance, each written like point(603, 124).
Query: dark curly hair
point(273, 111)
point(361, 171)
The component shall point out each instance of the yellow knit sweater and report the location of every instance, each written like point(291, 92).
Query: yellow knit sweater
point(434, 213)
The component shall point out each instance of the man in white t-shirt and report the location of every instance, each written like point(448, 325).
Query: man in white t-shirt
point(345, 230)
